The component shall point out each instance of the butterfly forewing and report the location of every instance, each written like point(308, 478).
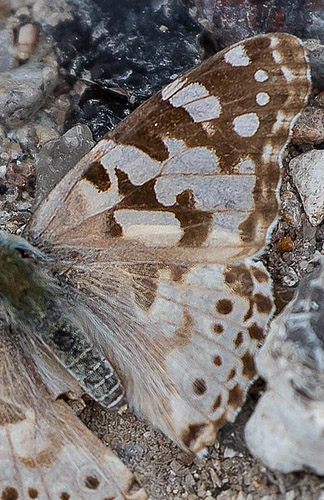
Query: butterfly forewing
point(156, 226)
point(45, 451)
point(194, 167)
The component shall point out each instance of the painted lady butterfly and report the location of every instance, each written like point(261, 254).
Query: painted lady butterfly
point(144, 259)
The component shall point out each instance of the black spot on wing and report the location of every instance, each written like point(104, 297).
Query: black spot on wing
point(98, 176)
point(9, 493)
point(92, 482)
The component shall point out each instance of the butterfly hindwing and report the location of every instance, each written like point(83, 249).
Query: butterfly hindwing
point(182, 339)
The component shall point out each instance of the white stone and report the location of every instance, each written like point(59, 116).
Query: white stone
point(307, 171)
point(286, 430)
point(27, 34)
point(51, 13)
point(7, 51)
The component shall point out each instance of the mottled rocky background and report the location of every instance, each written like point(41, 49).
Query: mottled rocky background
point(69, 71)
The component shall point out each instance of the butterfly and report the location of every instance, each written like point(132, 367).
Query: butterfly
point(288, 417)
point(136, 276)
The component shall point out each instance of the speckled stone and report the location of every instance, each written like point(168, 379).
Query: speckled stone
point(24, 90)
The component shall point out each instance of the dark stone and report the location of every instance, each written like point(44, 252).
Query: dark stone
point(230, 21)
point(130, 49)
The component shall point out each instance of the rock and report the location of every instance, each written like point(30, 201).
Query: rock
point(51, 13)
point(125, 51)
point(229, 453)
point(58, 156)
point(17, 4)
point(315, 51)
point(230, 22)
point(46, 128)
point(24, 90)
point(307, 171)
point(286, 430)
point(309, 128)
point(8, 54)
point(285, 244)
point(27, 39)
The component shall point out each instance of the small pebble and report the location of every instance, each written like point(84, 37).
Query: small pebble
point(27, 39)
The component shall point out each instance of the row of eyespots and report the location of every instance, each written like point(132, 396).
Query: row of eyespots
point(10, 493)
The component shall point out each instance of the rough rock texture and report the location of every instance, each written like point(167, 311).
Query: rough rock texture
point(124, 51)
point(234, 20)
point(7, 51)
point(24, 90)
point(58, 156)
point(286, 430)
point(307, 171)
point(316, 58)
point(309, 128)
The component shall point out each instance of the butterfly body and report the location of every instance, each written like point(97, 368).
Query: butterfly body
point(155, 232)
point(38, 305)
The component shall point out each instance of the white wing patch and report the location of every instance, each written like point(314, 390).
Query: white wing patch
point(139, 166)
point(262, 98)
point(246, 125)
point(167, 189)
point(205, 109)
point(151, 228)
point(195, 99)
point(172, 88)
point(261, 75)
point(186, 162)
point(237, 56)
point(190, 93)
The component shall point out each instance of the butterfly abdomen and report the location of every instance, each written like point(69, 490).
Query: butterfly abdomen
point(83, 361)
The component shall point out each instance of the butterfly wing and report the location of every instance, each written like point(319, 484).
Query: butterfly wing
point(45, 451)
point(194, 167)
point(182, 339)
point(156, 215)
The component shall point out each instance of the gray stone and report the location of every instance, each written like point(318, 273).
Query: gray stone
point(24, 90)
point(307, 171)
point(51, 13)
point(8, 59)
point(58, 156)
point(17, 4)
point(315, 51)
